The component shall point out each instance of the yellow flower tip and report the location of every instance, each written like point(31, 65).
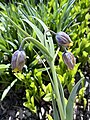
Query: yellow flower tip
point(71, 44)
point(16, 70)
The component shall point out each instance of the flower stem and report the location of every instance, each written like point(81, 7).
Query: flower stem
point(51, 32)
point(56, 91)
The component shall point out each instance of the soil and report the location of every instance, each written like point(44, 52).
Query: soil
point(11, 108)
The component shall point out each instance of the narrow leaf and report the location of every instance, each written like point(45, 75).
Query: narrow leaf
point(50, 40)
point(7, 89)
point(3, 66)
point(69, 107)
point(2, 6)
point(62, 96)
point(65, 14)
point(12, 44)
point(2, 47)
point(34, 41)
point(38, 32)
point(55, 110)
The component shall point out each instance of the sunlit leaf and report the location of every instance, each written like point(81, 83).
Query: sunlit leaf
point(38, 32)
point(48, 97)
point(5, 92)
point(69, 107)
point(3, 67)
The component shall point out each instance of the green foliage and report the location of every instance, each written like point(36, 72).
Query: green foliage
point(7, 90)
point(25, 19)
point(80, 96)
point(69, 108)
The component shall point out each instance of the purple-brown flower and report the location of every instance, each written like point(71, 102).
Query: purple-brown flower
point(18, 60)
point(69, 59)
point(63, 39)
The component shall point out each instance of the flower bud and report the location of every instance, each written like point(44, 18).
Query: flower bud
point(63, 39)
point(18, 60)
point(69, 59)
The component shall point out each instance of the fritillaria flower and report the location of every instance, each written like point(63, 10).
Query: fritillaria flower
point(63, 39)
point(69, 59)
point(18, 60)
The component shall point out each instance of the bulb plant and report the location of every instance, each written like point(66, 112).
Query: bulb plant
point(63, 111)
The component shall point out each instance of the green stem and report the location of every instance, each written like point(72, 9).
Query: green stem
point(51, 32)
point(56, 53)
point(38, 45)
point(56, 90)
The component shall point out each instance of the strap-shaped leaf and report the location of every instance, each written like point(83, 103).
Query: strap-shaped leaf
point(2, 6)
point(5, 92)
point(38, 32)
point(3, 66)
point(41, 47)
point(65, 14)
point(50, 40)
point(69, 107)
point(2, 47)
point(55, 110)
point(62, 96)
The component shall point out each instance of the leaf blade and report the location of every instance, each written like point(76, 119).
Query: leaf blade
point(35, 28)
point(8, 89)
point(69, 107)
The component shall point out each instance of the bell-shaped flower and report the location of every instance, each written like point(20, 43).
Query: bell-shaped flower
point(18, 60)
point(63, 39)
point(69, 60)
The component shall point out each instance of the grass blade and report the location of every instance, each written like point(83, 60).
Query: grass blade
point(7, 89)
point(50, 40)
point(33, 40)
point(38, 32)
point(69, 107)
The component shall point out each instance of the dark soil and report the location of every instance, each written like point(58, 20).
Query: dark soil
point(11, 108)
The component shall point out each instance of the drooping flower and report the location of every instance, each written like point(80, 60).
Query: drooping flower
point(18, 60)
point(69, 59)
point(63, 39)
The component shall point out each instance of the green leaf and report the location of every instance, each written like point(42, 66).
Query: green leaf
point(85, 54)
point(48, 97)
point(12, 44)
point(3, 67)
point(65, 14)
point(49, 117)
point(69, 107)
point(62, 96)
point(20, 76)
point(50, 40)
point(2, 6)
point(38, 32)
point(17, 26)
point(3, 48)
point(2, 41)
point(55, 110)
point(42, 48)
point(7, 89)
